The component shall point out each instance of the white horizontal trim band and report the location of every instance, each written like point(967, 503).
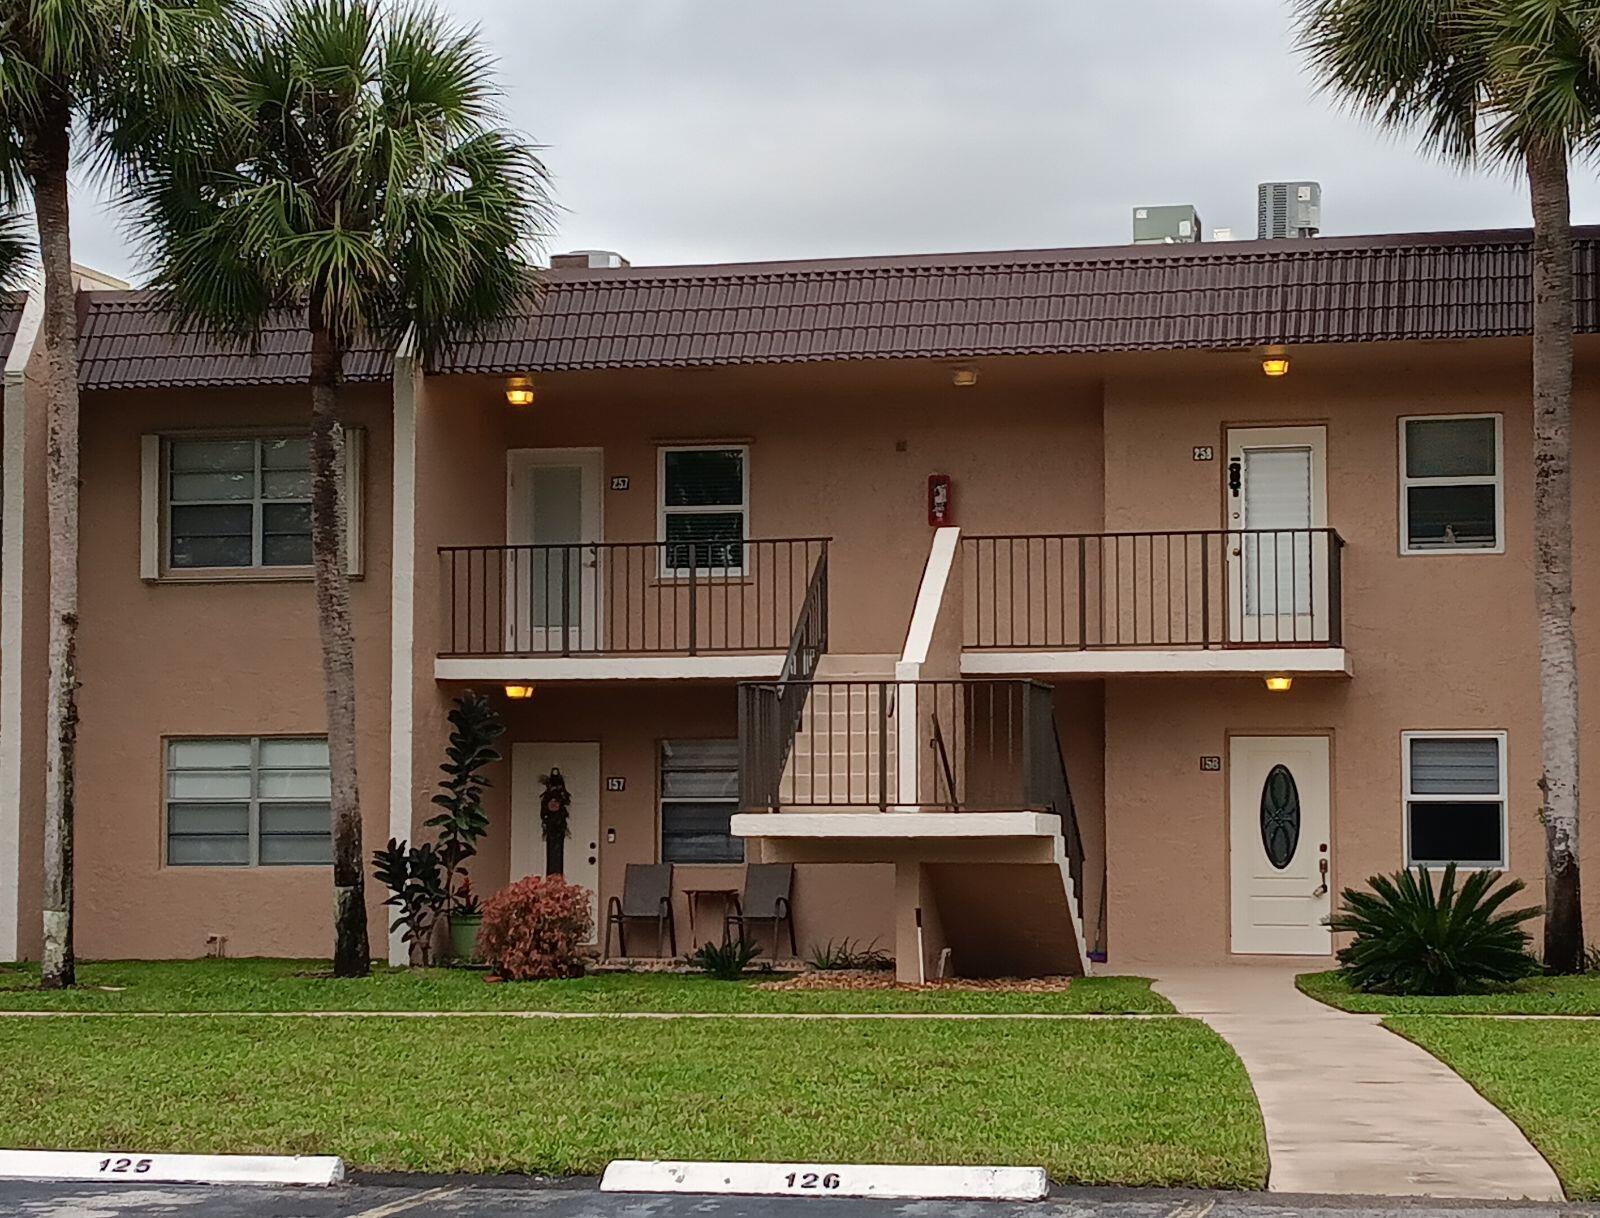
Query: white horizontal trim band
point(1247, 661)
point(610, 668)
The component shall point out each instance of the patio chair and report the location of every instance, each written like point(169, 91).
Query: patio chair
point(646, 894)
point(767, 888)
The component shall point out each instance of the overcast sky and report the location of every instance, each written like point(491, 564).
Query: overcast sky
point(720, 130)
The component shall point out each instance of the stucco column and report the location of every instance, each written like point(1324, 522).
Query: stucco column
point(913, 892)
point(24, 558)
point(402, 608)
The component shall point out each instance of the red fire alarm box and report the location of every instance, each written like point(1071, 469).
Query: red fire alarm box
point(941, 501)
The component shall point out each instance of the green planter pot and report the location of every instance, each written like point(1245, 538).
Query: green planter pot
point(464, 936)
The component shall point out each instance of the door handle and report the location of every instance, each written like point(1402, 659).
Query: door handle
point(1322, 888)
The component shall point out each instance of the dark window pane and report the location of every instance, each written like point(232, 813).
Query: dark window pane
point(211, 536)
point(286, 534)
point(695, 829)
point(296, 849)
point(698, 833)
point(1456, 832)
point(1445, 516)
point(1450, 448)
point(193, 850)
point(208, 820)
point(710, 477)
point(715, 539)
point(1453, 766)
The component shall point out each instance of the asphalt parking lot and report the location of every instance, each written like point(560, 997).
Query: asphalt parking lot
point(476, 1198)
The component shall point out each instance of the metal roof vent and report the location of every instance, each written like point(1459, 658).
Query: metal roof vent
point(1177, 225)
point(588, 260)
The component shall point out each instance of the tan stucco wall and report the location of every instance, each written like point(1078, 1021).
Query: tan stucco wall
point(1039, 445)
point(1437, 642)
point(239, 658)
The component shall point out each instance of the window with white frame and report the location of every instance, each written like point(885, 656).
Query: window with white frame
point(699, 795)
point(250, 801)
point(1455, 798)
point(705, 507)
point(1450, 484)
point(239, 502)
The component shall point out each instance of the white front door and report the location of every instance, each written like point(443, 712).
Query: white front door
point(1277, 565)
point(552, 589)
point(1278, 810)
point(579, 764)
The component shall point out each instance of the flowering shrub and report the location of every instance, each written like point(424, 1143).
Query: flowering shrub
point(533, 929)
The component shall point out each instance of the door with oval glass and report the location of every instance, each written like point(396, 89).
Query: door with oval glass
point(1278, 811)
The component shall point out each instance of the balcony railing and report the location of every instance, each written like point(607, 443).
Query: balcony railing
point(1206, 589)
point(633, 598)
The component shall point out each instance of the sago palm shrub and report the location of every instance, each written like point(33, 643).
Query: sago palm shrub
point(1411, 938)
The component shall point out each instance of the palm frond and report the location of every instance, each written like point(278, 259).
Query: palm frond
point(356, 168)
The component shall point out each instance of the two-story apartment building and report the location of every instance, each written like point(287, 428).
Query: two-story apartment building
point(1227, 602)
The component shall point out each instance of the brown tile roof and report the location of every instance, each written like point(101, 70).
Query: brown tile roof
point(126, 341)
point(1123, 298)
point(946, 306)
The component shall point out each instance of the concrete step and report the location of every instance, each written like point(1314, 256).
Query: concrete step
point(834, 666)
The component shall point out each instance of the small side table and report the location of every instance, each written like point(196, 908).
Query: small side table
point(693, 895)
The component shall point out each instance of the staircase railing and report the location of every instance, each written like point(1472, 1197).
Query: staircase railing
point(1049, 785)
point(769, 715)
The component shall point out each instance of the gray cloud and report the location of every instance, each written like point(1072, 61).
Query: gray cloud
point(714, 130)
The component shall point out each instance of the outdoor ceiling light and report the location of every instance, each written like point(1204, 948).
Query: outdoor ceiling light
point(519, 391)
point(519, 693)
point(965, 377)
point(1280, 684)
point(1275, 365)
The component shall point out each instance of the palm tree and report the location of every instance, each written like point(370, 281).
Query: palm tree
point(360, 174)
point(1512, 83)
point(79, 67)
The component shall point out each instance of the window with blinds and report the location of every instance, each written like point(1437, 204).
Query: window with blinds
point(1450, 484)
point(248, 802)
point(699, 795)
point(243, 502)
point(704, 508)
point(1455, 799)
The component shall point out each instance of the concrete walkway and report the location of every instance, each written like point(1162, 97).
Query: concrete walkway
point(1350, 1107)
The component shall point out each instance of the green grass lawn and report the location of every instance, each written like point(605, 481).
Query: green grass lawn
point(283, 985)
point(1543, 1074)
point(1536, 996)
point(1161, 1102)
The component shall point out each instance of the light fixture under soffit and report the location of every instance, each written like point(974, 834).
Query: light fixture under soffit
point(1280, 684)
point(519, 693)
point(519, 391)
point(964, 377)
point(1275, 365)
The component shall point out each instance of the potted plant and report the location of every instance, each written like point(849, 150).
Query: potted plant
point(466, 919)
point(461, 821)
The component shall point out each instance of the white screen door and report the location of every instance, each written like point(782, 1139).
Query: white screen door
point(551, 576)
point(1277, 562)
point(1278, 810)
point(579, 764)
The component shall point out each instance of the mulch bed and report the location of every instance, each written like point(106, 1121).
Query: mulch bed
point(884, 980)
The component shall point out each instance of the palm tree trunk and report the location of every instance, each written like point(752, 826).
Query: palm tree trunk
point(59, 335)
point(1552, 537)
point(352, 955)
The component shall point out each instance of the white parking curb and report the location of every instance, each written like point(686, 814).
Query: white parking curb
point(130, 1168)
point(903, 1182)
